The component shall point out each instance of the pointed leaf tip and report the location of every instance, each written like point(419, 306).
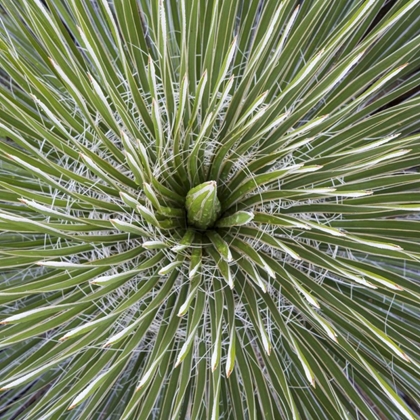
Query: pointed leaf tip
point(239, 218)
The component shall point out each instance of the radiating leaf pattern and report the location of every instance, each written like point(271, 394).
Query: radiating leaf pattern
point(209, 209)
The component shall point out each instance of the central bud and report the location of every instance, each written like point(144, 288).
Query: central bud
point(203, 206)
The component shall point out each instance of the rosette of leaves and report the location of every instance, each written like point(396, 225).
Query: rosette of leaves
point(209, 209)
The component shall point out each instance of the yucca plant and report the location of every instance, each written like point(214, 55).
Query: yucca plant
point(209, 209)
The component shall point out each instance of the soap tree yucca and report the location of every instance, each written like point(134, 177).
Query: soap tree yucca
point(209, 209)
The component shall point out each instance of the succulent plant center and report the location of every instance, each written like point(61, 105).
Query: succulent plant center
point(203, 206)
